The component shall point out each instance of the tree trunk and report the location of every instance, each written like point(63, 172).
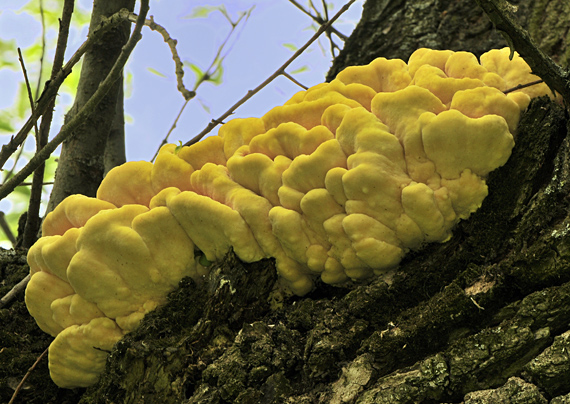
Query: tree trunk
point(483, 318)
point(82, 163)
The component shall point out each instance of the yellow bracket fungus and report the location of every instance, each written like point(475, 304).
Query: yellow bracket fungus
point(339, 183)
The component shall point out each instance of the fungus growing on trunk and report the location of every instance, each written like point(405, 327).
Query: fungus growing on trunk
point(339, 183)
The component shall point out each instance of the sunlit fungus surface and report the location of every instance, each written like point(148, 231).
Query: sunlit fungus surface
point(339, 183)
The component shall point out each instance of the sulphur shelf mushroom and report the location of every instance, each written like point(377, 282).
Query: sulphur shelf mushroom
point(338, 183)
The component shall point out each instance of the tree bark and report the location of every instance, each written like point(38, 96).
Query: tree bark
point(81, 163)
point(115, 153)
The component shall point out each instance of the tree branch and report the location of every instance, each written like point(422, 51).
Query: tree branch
point(87, 109)
point(319, 20)
point(557, 78)
point(214, 67)
point(51, 87)
point(277, 73)
point(187, 94)
point(33, 219)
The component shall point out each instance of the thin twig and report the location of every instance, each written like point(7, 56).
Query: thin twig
point(329, 33)
point(51, 87)
point(187, 94)
point(29, 89)
point(18, 288)
point(87, 109)
point(6, 229)
point(277, 73)
point(8, 173)
point(294, 80)
point(34, 197)
point(19, 387)
point(557, 78)
point(518, 87)
point(325, 9)
point(27, 184)
point(43, 20)
point(210, 71)
point(33, 218)
point(319, 20)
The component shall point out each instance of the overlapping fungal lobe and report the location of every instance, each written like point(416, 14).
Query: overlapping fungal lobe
point(338, 184)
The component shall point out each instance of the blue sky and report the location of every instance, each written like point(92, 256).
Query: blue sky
point(256, 53)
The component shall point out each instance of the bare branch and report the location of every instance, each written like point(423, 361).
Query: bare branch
point(277, 73)
point(532, 83)
point(210, 71)
point(294, 80)
point(42, 18)
point(35, 195)
point(29, 89)
point(557, 78)
point(187, 94)
point(87, 109)
point(9, 172)
point(33, 218)
point(320, 20)
point(51, 87)
point(6, 229)
point(18, 288)
point(19, 387)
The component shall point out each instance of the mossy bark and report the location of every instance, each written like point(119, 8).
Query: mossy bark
point(483, 318)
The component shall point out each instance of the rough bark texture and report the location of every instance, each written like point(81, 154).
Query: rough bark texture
point(483, 318)
point(81, 163)
point(115, 153)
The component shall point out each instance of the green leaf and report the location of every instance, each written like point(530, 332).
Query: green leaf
point(6, 127)
point(225, 13)
point(291, 47)
point(197, 71)
point(22, 192)
point(206, 108)
point(301, 70)
point(9, 56)
point(128, 83)
point(72, 81)
point(154, 71)
point(202, 11)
